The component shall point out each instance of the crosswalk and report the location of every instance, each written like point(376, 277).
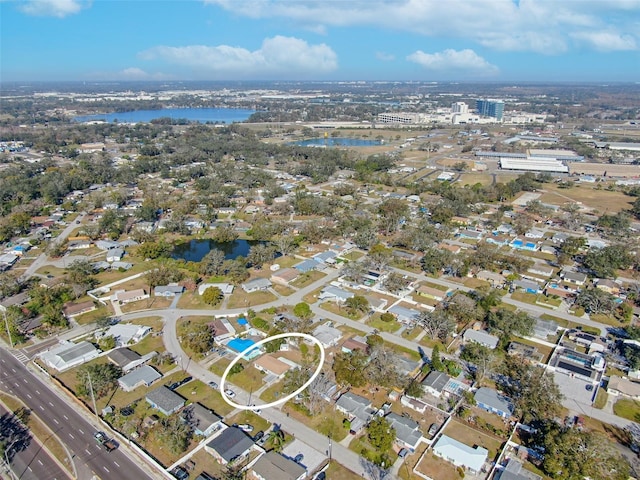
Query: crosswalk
point(21, 357)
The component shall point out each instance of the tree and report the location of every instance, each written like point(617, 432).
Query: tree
point(163, 274)
point(212, 296)
point(391, 212)
point(153, 250)
point(595, 301)
point(483, 359)
point(605, 261)
point(174, 433)
point(436, 361)
point(212, 262)
point(437, 324)
point(276, 438)
point(573, 454)
point(356, 304)
point(506, 323)
point(349, 368)
point(234, 471)
point(535, 394)
point(380, 434)
point(107, 343)
point(285, 244)
point(303, 311)
point(414, 389)
point(102, 377)
point(198, 337)
point(260, 254)
point(435, 260)
point(395, 283)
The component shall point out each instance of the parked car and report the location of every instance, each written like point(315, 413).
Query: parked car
point(213, 384)
point(230, 393)
point(180, 473)
point(258, 436)
point(245, 427)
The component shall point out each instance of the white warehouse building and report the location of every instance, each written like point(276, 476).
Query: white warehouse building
point(538, 164)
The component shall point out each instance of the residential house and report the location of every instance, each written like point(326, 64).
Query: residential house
point(79, 244)
point(527, 352)
point(608, 286)
point(225, 288)
point(165, 400)
point(203, 420)
point(356, 342)
point(327, 257)
point(327, 335)
point(499, 240)
point(306, 266)
point(126, 333)
point(272, 366)
point(115, 254)
point(72, 310)
point(541, 270)
point(144, 375)
point(529, 286)
point(470, 234)
point(534, 233)
point(482, 337)
point(230, 444)
point(106, 244)
point(123, 297)
point(274, 466)
point(621, 386)
point(514, 470)
point(284, 276)
point(376, 304)
point(408, 316)
point(358, 409)
point(256, 285)
point(494, 402)
point(408, 434)
point(435, 382)
point(124, 358)
point(496, 280)
point(334, 293)
point(222, 329)
point(431, 292)
point(461, 455)
point(455, 249)
point(68, 355)
point(575, 278)
point(167, 291)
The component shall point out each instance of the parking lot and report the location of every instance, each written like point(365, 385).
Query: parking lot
point(574, 388)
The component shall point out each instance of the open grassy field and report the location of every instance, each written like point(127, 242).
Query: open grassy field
point(470, 436)
point(600, 200)
point(627, 408)
point(473, 178)
point(241, 299)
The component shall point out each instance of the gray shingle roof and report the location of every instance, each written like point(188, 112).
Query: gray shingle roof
point(231, 443)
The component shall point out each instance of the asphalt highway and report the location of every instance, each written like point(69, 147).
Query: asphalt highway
point(71, 427)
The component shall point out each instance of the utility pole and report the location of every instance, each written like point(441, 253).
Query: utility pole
point(6, 324)
point(93, 397)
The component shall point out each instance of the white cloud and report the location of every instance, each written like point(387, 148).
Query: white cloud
point(606, 41)
point(543, 26)
point(130, 74)
point(449, 60)
point(53, 8)
point(277, 55)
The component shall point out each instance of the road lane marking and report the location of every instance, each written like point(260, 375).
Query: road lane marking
point(2, 360)
point(16, 384)
point(57, 423)
point(51, 404)
point(88, 452)
point(78, 429)
point(116, 464)
point(65, 417)
point(41, 407)
point(13, 370)
point(41, 464)
point(37, 392)
point(25, 380)
point(72, 436)
point(106, 469)
point(28, 395)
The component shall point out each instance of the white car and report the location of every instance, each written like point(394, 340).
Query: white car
point(245, 427)
point(230, 393)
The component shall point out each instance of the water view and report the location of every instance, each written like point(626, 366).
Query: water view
point(337, 142)
point(195, 250)
point(201, 115)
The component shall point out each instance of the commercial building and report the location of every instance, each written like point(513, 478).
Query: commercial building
point(490, 108)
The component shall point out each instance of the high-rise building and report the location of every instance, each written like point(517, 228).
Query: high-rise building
point(459, 107)
point(490, 108)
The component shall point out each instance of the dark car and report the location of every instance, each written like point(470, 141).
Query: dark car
point(589, 387)
point(321, 476)
point(126, 411)
point(180, 473)
point(258, 436)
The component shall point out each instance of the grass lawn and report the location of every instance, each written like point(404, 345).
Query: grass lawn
point(601, 399)
point(337, 471)
point(90, 317)
point(475, 283)
point(272, 393)
point(147, 304)
point(326, 421)
point(411, 333)
point(312, 297)
point(307, 278)
point(198, 392)
point(473, 178)
point(39, 430)
point(437, 468)
point(249, 379)
point(334, 308)
point(245, 416)
point(383, 326)
point(362, 447)
point(191, 300)
point(471, 437)
point(284, 291)
point(110, 276)
point(607, 320)
point(524, 297)
point(627, 408)
point(240, 298)
point(287, 262)
point(353, 256)
point(220, 366)
point(545, 301)
point(600, 200)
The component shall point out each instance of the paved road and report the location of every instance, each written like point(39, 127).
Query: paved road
point(34, 462)
point(70, 426)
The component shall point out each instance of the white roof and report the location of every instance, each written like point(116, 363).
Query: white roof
point(460, 454)
point(225, 288)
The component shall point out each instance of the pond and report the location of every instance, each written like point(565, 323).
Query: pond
point(195, 250)
point(337, 142)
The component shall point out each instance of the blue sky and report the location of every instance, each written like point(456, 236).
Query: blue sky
point(423, 40)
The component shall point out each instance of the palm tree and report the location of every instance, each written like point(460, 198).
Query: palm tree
point(276, 437)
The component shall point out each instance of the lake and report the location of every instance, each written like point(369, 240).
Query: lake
point(201, 115)
point(195, 250)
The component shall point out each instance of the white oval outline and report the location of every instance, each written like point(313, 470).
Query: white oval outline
point(262, 342)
